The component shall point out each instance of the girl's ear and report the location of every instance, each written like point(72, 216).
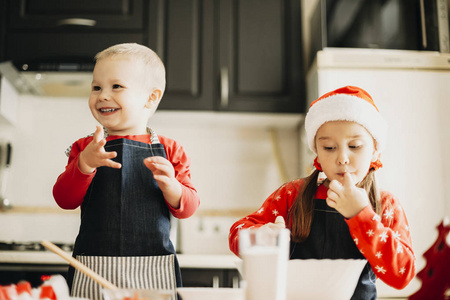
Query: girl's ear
point(153, 98)
point(376, 155)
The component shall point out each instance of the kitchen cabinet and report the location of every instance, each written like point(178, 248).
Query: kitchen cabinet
point(196, 277)
point(232, 55)
point(52, 32)
point(2, 28)
point(242, 56)
point(101, 14)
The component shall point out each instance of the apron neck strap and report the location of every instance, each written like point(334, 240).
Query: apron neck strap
point(153, 136)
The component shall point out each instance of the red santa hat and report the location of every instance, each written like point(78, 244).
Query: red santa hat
point(349, 103)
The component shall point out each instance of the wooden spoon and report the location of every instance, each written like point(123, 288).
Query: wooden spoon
point(79, 266)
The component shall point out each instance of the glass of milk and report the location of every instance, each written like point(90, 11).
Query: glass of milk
point(265, 254)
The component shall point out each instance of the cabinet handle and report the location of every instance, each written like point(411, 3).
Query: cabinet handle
point(423, 26)
point(76, 22)
point(216, 282)
point(224, 87)
point(235, 282)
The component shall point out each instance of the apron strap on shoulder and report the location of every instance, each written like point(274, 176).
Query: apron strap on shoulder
point(153, 136)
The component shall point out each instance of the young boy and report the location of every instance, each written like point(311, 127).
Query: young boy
point(126, 178)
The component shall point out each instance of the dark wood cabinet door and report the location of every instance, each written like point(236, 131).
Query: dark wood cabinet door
point(259, 52)
point(3, 14)
point(225, 278)
point(233, 55)
point(57, 14)
point(203, 277)
point(27, 47)
point(187, 52)
point(53, 31)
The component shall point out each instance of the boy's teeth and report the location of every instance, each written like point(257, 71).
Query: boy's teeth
point(108, 109)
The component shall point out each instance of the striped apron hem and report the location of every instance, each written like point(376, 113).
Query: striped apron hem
point(133, 272)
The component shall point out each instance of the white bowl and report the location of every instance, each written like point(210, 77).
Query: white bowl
point(323, 278)
point(211, 293)
point(320, 278)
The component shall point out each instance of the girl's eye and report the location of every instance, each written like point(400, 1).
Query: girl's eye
point(96, 88)
point(328, 148)
point(355, 146)
point(117, 86)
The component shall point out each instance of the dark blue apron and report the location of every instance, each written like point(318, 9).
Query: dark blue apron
point(330, 239)
point(125, 222)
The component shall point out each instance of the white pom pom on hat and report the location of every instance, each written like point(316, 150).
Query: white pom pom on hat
point(349, 103)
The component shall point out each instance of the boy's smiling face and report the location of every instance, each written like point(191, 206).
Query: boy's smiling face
point(120, 100)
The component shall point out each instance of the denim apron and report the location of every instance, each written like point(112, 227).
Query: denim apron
point(124, 231)
point(330, 239)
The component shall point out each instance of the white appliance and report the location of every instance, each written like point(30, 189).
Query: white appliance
point(412, 91)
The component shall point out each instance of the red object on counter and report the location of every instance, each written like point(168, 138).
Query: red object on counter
point(23, 287)
point(435, 275)
point(3, 293)
point(8, 292)
point(47, 292)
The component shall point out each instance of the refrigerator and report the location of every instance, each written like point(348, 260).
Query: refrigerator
point(412, 92)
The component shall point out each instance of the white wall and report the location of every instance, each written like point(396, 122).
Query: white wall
point(233, 166)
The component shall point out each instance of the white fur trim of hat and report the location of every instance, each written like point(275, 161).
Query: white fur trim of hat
point(341, 106)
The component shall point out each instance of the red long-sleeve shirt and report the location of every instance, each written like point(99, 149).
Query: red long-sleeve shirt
point(71, 186)
point(384, 240)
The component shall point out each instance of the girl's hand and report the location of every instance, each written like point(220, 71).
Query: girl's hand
point(164, 174)
point(270, 232)
point(347, 198)
point(94, 155)
point(278, 224)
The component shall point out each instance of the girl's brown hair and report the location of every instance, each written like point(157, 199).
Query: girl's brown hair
point(301, 213)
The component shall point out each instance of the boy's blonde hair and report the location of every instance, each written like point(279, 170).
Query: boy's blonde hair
point(153, 67)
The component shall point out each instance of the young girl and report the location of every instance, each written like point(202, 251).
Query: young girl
point(344, 216)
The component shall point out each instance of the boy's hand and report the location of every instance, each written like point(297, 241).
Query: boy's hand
point(347, 198)
point(164, 174)
point(94, 155)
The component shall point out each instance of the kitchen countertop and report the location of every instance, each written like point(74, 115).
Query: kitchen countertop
point(209, 261)
point(196, 261)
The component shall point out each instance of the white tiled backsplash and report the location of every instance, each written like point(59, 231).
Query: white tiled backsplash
point(26, 227)
point(232, 163)
point(205, 235)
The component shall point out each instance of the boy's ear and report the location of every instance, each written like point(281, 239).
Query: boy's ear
point(154, 98)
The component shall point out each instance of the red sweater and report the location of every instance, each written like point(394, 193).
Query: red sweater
point(71, 186)
point(386, 247)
